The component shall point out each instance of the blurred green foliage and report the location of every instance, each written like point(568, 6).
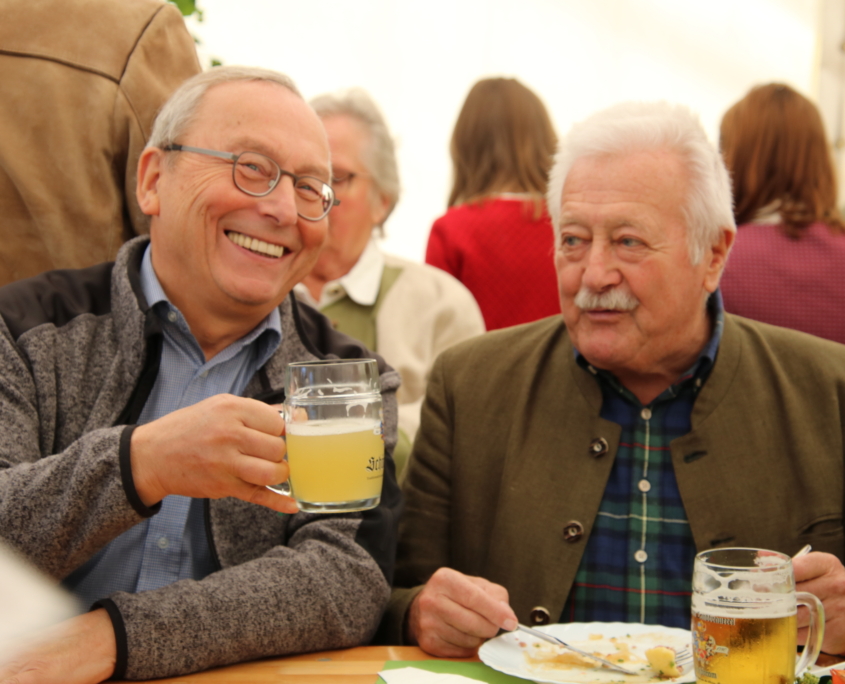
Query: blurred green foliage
point(187, 8)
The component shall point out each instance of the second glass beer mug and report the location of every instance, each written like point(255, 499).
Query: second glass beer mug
point(744, 607)
point(333, 427)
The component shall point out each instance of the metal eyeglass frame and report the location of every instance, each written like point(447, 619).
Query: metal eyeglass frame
point(230, 156)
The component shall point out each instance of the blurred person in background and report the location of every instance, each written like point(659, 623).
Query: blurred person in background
point(405, 311)
point(80, 84)
point(785, 267)
point(496, 237)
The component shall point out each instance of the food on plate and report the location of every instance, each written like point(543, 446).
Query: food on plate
point(662, 661)
point(837, 676)
point(633, 652)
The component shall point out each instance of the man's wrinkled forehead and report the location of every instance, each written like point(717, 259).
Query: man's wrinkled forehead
point(265, 117)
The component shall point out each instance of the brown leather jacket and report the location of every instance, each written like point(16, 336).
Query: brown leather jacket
point(80, 84)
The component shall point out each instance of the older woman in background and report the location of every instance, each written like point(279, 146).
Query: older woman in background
point(405, 311)
point(786, 264)
point(496, 237)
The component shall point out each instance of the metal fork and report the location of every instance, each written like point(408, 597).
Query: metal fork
point(683, 658)
point(554, 640)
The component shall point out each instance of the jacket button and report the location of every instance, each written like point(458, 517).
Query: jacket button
point(598, 447)
point(539, 616)
point(573, 531)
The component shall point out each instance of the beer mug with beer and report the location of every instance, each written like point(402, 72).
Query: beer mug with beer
point(744, 627)
point(333, 430)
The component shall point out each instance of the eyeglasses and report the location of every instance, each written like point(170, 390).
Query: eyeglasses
point(257, 175)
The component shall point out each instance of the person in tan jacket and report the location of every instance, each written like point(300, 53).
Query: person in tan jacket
point(80, 84)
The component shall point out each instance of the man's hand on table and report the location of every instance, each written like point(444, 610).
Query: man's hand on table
point(823, 575)
point(455, 613)
point(222, 446)
point(81, 650)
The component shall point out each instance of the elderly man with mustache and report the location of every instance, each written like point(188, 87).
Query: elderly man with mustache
point(570, 469)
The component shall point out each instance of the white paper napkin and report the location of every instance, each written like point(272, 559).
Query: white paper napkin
point(413, 675)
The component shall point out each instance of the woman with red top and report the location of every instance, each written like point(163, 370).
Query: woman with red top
point(786, 264)
point(496, 237)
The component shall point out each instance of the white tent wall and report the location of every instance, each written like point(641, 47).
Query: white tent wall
point(830, 84)
point(418, 60)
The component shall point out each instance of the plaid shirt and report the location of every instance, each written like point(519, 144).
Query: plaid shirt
point(637, 566)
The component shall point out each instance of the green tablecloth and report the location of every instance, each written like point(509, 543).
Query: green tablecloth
point(478, 671)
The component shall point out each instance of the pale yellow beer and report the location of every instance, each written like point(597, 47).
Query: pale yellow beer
point(336, 460)
point(735, 650)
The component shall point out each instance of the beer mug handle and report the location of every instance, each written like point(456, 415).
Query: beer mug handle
point(283, 487)
point(815, 634)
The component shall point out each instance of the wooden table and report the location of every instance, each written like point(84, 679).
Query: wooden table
point(351, 666)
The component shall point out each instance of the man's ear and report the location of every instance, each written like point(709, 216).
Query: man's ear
point(718, 256)
point(149, 173)
point(379, 208)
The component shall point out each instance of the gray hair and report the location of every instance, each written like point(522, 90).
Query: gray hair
point(641, 126)
point(179, 111)
point(380, 157)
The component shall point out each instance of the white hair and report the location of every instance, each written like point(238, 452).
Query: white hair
point(179, 111)
point(633, 127)
point(380, 154)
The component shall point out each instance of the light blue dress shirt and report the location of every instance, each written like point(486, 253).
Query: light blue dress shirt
point(173, 544)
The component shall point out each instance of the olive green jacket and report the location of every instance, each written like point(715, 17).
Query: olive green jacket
point(503, 461)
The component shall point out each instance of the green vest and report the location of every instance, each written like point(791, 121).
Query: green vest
point(359, 321)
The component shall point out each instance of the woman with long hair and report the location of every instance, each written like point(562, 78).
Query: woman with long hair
point(785, 266)
point(496, 237)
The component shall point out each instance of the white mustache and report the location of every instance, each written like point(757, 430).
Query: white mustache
point(617, 299)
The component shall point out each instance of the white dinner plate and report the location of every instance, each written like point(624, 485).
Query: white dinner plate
point(507, 652)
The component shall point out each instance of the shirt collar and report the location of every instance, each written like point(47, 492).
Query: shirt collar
point(361, 284)
point(170, 316)
point(703, 364)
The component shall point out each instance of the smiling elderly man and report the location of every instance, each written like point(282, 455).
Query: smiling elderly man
point(569, 470)
point(138, 434)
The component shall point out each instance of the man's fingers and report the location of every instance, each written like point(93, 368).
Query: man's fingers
point(262, 496)
point(261, 417)
point(461, 619)
point(813, 565)
point(484, 598)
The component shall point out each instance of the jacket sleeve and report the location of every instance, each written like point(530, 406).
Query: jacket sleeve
point(164, 56)
point(324, 585)
point(57, 505)
point(424, 531)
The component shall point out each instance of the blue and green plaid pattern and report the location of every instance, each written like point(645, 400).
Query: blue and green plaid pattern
point(637, 566)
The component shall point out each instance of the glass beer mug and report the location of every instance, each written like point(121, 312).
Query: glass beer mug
point(333, 430)
point(744, 626)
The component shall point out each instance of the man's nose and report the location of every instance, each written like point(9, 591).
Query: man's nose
point(601, 270)
point(280, 203)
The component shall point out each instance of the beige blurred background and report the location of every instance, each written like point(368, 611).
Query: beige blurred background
point(419, 59)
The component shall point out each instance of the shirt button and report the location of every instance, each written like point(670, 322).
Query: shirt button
point(641, 556)
point(171, 316)
point(644, 485)
point(204, 374)
point(163, 543)
point(645, 414)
